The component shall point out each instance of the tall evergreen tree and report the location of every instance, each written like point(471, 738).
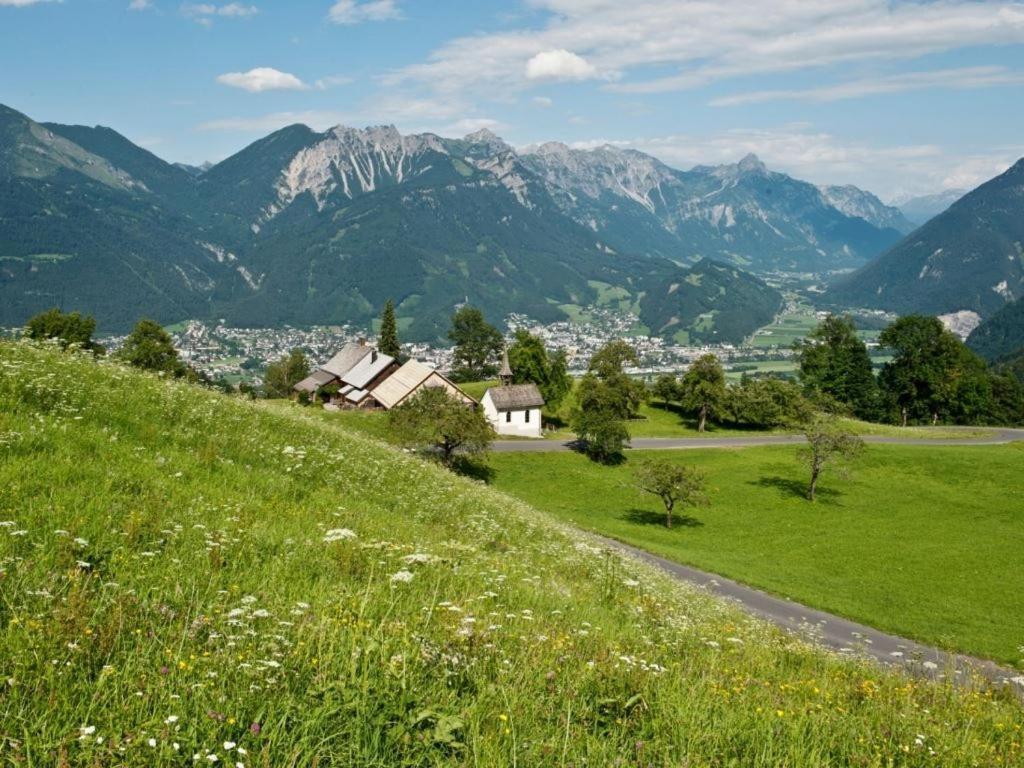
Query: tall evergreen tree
point(835, 362)
point(387, 343)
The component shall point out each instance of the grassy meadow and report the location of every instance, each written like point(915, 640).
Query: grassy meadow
point(921, 541)
point(188, 578)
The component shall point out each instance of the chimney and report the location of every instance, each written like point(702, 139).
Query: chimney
point(362, 341)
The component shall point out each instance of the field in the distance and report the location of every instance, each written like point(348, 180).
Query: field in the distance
point(921, 541)
point(186, 575)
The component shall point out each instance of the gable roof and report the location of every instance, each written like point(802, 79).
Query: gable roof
point(314, 381)
point(395, 387)
point(346, 359)
point(516, 396)
point(367, 369)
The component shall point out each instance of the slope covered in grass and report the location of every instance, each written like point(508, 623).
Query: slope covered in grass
point(185, 575)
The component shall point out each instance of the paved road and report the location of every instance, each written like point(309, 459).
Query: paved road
point(998, 437)
point(833, 632)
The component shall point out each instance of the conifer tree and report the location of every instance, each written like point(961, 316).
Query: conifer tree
point(388, 341)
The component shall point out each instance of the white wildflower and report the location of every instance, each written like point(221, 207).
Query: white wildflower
point(339, 534)
point(402, 576)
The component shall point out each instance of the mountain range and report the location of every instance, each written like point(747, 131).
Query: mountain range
point(926, 207)
point(968, 258)
point(305, 227)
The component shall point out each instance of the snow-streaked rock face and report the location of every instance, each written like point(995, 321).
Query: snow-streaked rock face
point(738, 212)
point(735, 212)
point(605, 170)
point(352, 161)
point(859, 204)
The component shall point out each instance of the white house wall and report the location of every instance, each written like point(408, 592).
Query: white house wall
point(518, 426)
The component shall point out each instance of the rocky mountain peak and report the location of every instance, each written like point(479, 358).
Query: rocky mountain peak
point(751, 163)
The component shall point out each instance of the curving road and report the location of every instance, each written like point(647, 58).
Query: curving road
point(826, 629)
point(999, 436)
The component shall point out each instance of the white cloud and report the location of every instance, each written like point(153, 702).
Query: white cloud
point(542, 101)
point(23, 3)
point(262, 79)
point(559, 64)
point(331, 81)
point(139, 5)
point(355, 12)
point(963, 78)
point(665, 45)
point(824, 158)
point(204, 13)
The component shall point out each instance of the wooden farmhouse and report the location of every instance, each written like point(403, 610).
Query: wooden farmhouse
point(361, 377)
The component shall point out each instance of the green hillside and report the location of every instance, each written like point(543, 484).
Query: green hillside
point(709, 303)
point(969, 257)
point(187, 575)
point(1002, 335)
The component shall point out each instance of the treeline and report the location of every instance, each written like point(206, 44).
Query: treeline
point(933, 378)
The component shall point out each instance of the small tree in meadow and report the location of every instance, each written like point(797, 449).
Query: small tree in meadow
point(675, 484)
point(666, 388)
point(432, 419)
point(827, 443)
point(702, 389)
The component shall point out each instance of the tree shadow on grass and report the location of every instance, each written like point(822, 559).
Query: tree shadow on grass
point(787, 486)
point(611, 460)
point(477, 470)
point(650, 517)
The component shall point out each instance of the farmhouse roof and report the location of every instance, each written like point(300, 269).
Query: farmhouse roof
point(367, 369)
point(314, 381)
point(395, 387)
point(346, 359)
point(516, 396)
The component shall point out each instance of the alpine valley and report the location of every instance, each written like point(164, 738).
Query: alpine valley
point(303, 228)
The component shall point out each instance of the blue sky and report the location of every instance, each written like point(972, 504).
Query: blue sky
point(897, 97)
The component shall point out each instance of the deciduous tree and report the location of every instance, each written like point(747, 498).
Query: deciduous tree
point(827, 443)
point(675, 484)
point(432, 419)
point(477, 345)
point(702, 389)
point(283, 375)
point(531, 363)
point(68, 328)
point(151, 348)
point(834, 362)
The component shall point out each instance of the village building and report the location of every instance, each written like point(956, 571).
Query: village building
point(359, 376)
point(348, 378)
point(513, 409)
point(411, 378)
